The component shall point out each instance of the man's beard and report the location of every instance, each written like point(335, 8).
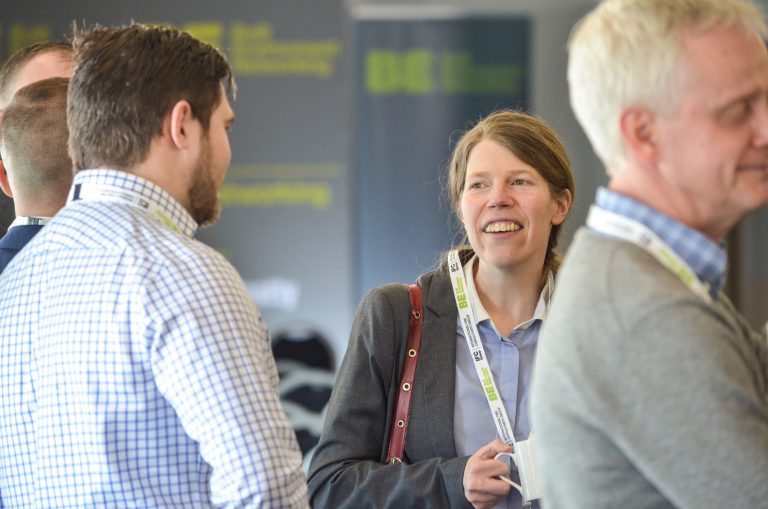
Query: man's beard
point(203, 197)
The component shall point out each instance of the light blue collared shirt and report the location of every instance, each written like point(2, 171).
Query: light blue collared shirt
point(707, 259)
point(511, 361)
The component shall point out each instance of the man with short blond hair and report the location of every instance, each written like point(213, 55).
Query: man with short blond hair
point(650, 389)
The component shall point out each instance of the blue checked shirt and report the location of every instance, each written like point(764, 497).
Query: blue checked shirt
point(707, 259)
point(135, 370)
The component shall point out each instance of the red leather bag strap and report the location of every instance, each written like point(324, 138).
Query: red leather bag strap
point(405, 390)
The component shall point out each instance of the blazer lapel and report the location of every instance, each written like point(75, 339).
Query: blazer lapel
point(438, 351)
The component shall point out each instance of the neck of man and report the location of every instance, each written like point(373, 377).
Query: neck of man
point(40, 207)
point(164, 168)
point(649, 187)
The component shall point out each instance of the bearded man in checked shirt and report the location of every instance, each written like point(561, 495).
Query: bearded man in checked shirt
point(135, 370)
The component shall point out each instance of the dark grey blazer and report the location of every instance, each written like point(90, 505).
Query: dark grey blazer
point(347, 469)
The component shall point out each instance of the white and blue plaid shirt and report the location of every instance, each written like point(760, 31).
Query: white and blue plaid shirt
point(707, 259)
point(135, 370)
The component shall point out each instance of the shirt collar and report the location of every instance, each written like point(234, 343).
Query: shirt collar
point(480, 312)
point(29, 221)
point(707, 259)
point(153, 193)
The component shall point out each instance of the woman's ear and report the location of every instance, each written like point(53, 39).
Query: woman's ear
point(563, 206)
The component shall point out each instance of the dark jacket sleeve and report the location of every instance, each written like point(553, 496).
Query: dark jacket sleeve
point(347, 469)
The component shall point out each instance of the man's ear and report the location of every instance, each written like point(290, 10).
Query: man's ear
point(637, 130)
point(181, 125)
point(4, 185)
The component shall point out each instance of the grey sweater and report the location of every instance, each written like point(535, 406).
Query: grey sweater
point(645, 395)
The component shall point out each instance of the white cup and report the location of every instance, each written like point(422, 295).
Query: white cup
point(527, 461)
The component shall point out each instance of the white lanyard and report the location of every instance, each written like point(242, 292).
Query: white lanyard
point(622, 227)
point(476, 350)
point(29, 221)
point(108, 193)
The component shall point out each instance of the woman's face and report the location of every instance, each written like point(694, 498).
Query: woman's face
point(507, 209)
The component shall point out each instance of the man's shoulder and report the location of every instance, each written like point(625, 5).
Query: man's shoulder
point(18, 236)
point(607, 283)
point(107, 234)
point(603, 260)
point(191, 254)
point(106, 227)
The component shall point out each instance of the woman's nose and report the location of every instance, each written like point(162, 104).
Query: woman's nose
point(500, 196)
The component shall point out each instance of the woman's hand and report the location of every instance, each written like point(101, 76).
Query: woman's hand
point(482, 487)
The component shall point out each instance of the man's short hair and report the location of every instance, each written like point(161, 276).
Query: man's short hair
point(627, 52)
point(20, 57)
point(33, 139)
point(127, 79)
